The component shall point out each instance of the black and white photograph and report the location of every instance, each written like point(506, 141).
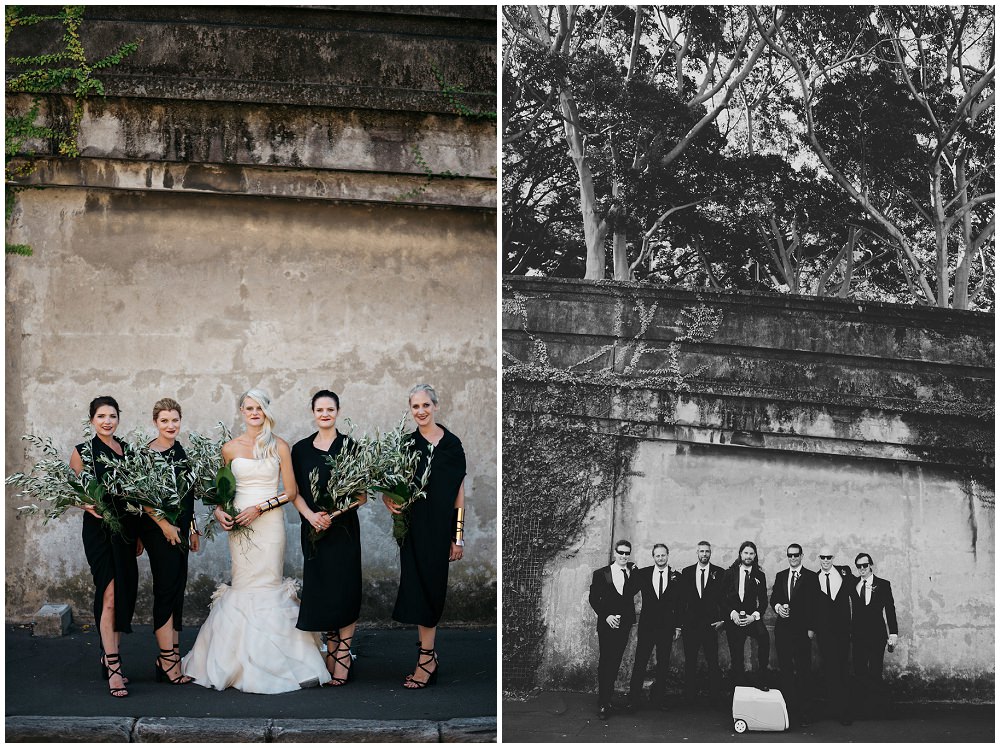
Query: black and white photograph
point(251, 378)
point(747, 422)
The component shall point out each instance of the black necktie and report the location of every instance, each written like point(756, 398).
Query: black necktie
point(864, 585)
point(828, 593)
point(659, 594)
point(701, 591)
point(746, 582)
point(795, 578)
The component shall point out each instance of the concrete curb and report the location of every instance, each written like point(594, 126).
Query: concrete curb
point(218, 730)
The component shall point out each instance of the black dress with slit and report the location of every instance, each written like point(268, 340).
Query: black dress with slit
point(331, 569)
point(423, 557)
point(169, 563)
point(111, 555)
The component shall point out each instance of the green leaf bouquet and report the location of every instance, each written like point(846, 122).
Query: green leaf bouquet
point(395, 475)
point(53, 486)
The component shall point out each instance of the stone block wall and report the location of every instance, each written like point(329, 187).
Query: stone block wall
point(248, 211)
point(673, 416)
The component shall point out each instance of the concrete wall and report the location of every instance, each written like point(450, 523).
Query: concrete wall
point(867, 427)
point(186, 254)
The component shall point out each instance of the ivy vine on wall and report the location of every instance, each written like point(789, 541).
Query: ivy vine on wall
point(67, 69)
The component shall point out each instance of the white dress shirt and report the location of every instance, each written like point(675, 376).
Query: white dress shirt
point(868, 588)
point(618, 577)
point(697, 576)
point(656, 579)
point(834, 581)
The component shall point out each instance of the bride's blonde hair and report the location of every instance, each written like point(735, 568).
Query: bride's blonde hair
point(265, 446)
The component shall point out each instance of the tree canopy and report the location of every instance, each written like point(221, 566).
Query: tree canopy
point(833, 151)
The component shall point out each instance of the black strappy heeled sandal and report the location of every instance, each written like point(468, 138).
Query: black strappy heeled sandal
point(173, 659)
point(106, 674)
point(411, 682)
point(342, 655)
point(112, 665)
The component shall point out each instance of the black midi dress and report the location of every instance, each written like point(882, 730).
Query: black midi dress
point(423, 557)
point(169, 563)
point(331, 569)
point(111, 555)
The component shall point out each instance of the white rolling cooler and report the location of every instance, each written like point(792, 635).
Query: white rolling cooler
point(754, 709)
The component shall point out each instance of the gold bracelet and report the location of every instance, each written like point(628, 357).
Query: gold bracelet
point(460, 524)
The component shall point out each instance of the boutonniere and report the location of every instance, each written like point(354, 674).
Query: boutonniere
point(712, 575)
point(843, 573)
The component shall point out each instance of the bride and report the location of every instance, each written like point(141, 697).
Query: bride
point(250, 641)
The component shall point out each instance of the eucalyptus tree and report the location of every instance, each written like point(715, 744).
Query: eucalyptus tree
point(897, 104)
point(633, 90)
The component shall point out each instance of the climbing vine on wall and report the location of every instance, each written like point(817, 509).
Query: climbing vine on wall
point(450, 93)
point(67, 69)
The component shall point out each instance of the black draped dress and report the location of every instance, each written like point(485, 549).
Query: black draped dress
point(169, 563)
point(111, 555)
point(423, 557)
point(331, 570)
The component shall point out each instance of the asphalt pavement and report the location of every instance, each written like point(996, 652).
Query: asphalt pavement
point(53, 693)
point(560, 717)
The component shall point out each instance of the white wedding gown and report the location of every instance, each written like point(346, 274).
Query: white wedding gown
point(249, 641)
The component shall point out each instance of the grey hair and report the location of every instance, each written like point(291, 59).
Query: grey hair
point(424, 388)
point(265, 446)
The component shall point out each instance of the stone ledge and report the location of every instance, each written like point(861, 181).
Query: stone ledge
point(68, 729)
point(308, 184)
point(354, 731)
point(24, 729)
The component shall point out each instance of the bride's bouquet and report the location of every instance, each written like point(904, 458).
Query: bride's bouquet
point(147, 479)
point(214, 482)
point(55, 487)
point(396, 474)
point(351, 473)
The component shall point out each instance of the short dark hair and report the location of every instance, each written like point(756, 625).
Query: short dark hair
point(704, 542)
point(793, 545)
point(864, 555)
point(661, 545)
point(621, 543)
point(325, 393)
point(97, 402)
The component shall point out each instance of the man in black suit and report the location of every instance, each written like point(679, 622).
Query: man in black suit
point(659, 623)
point(792, 587)
point(874, 610)
point(831, 620)
point(701, 620)
point(744, 602)
point(615, 610)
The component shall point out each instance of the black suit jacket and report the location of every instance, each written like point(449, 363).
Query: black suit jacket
point(870, 620)
point(657, 612)
point(833, 617)
point(800, 602)
point(754, 595)
point(700, 611)
point(606, 601)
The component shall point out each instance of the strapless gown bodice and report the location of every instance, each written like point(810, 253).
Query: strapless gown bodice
point(249, 640)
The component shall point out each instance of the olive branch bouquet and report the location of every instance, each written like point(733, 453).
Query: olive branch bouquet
point(396, 474)
point(351, 473)
point(55, 487)
point(145, 478)
point(214, 482)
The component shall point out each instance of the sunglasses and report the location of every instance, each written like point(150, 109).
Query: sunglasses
point(826, 558)
point(624, 553)
point(862, 566)
point(794, 555)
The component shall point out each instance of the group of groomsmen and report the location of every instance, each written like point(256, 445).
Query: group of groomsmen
point(830, 605)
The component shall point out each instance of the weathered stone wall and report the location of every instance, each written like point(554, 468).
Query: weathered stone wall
point(730, 417)
point(237, 221)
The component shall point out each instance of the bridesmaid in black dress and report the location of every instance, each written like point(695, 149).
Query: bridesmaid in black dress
point(168, 558)
point(435, 533)
point(111, 556)
point(331, 571)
